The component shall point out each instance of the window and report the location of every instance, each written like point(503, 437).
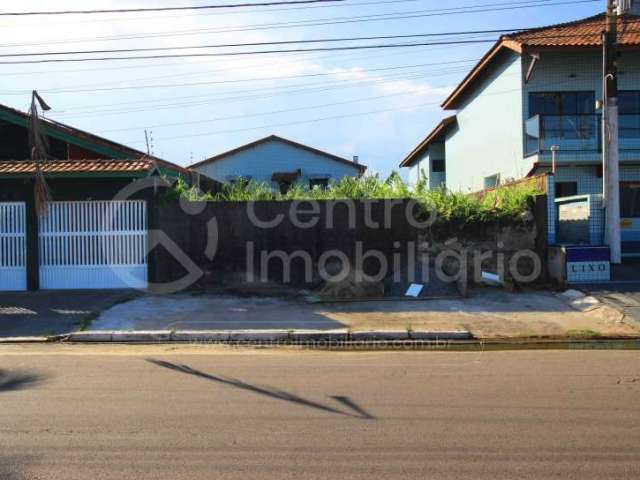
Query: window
point(318, 182)
point(562, 103)
point(492, 181)
point(569, 115)
point(629, 199)
point(629, 109)
point(566, 189)
point(437, 166)
point(629, 102)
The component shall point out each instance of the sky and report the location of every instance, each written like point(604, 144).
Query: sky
point(376, 103)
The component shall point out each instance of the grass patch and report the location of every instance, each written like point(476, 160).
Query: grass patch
point(583, 334)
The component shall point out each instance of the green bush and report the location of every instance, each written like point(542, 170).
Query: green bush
point(501, 204)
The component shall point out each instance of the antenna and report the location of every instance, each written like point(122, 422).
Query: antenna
point(39, 146)
point(146, 137)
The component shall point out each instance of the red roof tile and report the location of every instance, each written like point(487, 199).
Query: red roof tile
point(582, 33)
point(76, 166)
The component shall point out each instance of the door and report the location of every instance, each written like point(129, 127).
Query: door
point(13, 247)
point(93, 245)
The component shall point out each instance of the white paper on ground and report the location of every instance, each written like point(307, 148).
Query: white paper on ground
point(491, 277)
point(414, 290)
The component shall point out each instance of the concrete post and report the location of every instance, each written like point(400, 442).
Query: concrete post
point(611, 182)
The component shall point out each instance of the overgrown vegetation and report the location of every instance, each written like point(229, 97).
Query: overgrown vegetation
point(502, 204)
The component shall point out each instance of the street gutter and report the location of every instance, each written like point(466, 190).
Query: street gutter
point(336, 340)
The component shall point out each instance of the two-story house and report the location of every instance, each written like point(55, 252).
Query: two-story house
point(532, 99)
point(280, 163)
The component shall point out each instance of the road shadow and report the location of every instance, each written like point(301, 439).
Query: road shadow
point(356, 411)
point(10, 381)
point(44, 313)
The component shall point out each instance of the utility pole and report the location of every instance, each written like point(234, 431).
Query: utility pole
point(610, 150)
point(146, 137)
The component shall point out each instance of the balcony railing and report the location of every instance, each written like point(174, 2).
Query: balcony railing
point(577, 133)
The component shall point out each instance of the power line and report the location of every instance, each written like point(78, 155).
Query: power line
point(253, 52)
point(205, 99)
point(301, 122)
point(335, 117)
point(320, 22)
point(234, 81)
point(255, 44)
point(261, 114)
point(233, 12)
point(49, 71)
point(164, 9)
point(254, 95)
point(267, 52)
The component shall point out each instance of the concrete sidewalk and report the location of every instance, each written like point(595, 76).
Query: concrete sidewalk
point(42, 313)
point(622, 296)
point(487, 314)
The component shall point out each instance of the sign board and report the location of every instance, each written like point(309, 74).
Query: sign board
point(588, 264)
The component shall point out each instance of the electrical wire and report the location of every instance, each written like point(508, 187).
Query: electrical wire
point(261, 94)
point(235, 81)
point(173, 16)
point(318, 22)
point(268, 52)
point(335, 117)
point(261, 114)
point(256, 44)
point(164, 9)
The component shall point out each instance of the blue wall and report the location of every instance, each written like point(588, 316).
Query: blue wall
point(261, 161)
point(424, 167)
point(489, 137)
point(556, 72)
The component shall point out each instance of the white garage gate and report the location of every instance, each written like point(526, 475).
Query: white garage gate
point(13, 246)
point(93, 245)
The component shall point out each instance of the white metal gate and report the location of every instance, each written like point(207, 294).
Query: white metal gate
point(13, 247)
point(93, 245)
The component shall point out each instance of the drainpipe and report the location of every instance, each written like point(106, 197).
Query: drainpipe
point(554, 157)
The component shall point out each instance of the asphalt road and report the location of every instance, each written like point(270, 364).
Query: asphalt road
point(192, 413)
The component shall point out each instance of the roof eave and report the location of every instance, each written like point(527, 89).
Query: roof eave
point(452, 101)
point(361, 168)
point(430, 139)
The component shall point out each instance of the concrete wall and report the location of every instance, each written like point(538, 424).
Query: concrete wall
point(261, 161)
point(235, 229)
point(489, 136)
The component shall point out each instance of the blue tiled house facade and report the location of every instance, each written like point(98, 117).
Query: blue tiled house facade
point(535, 93)
point(279, 162)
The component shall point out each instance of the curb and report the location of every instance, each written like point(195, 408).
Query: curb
point(337, 339)
point(257, 336)
point(8, 340)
